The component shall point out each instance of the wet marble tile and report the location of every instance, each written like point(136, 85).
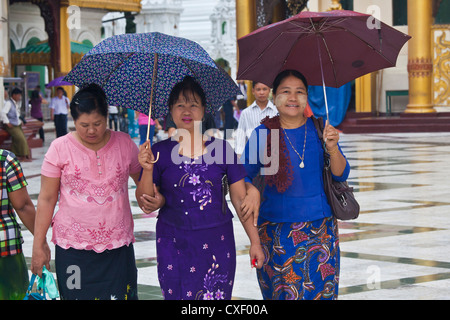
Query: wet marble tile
point(358, 273)
point(397, 248)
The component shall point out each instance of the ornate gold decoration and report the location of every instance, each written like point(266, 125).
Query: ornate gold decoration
point(420, 62)
point(335, 5)
point(3, 67)
point(441, 62)
point(420, 67)
point(39, 58)
point(111, 5)
point(296, 6)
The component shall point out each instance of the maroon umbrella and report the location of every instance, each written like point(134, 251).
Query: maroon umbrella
point(329, 48)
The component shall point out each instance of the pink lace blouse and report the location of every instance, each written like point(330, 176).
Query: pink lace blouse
point(94, 209)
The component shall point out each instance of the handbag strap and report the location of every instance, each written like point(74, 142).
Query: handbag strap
point(318, 123)
point(30, 286)
point(32, 280)
point(43, 283)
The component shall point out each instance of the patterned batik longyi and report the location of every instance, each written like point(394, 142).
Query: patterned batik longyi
point(301, 260)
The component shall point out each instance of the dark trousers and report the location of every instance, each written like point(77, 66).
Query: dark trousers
point(60, 121)
point(41, 130)
point(113, 118)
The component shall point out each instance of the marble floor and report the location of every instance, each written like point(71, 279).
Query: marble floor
point(398, 248)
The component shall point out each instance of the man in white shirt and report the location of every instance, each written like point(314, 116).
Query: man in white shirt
point(10, 116)
point(252, 115)
point(59, 108)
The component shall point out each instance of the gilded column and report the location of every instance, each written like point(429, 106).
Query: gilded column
point(420, 66)
point(64, 49)
point(5, 69)
point(245, 23)
point(365, 85)
point(365, 93)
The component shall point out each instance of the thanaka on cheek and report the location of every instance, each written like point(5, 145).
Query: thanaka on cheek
point(302, 100)
point(280, 100)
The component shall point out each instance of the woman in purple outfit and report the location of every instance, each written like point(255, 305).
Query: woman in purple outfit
point(195, 245)
point(36, 112)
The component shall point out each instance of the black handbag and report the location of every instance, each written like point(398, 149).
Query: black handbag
point(340, 196)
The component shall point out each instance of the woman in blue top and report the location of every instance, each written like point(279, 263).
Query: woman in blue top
point(298, 232)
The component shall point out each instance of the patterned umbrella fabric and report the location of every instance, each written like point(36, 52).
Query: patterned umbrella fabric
point(123, 66)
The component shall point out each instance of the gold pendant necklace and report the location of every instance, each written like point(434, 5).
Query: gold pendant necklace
point(302, 164)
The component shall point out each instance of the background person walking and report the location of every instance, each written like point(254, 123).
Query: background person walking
point(251, 116)
point(10, 116)
point(59, 108)
point(36, 101)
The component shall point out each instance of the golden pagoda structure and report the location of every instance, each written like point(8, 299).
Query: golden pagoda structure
point(58, 16)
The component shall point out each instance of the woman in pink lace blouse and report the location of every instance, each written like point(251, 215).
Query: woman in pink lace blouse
point(93, 227)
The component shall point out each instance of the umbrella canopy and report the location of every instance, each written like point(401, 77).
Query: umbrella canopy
point(57, 82)
point(132, 68)
point(343, 44)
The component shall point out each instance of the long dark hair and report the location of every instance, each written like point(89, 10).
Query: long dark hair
point(35, 94)
point(284, 177)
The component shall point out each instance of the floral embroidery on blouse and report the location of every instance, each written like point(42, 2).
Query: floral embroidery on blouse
point(98, 193)
point(102, 234)
point(99, 235)
point(202, 191)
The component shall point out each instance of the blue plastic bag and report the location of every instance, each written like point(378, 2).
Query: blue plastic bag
point(48, 282)
point(45, 285)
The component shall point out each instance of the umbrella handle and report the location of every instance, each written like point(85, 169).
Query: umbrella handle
point(157, 158)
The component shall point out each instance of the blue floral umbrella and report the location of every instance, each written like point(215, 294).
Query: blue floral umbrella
point(138, 71)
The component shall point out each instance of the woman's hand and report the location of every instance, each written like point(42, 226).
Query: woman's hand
point(250, 204)
point(40, 257)
point(337, 160)
point(146, 157)
point(331, 137)
point(256, 256)
point(152, 203)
